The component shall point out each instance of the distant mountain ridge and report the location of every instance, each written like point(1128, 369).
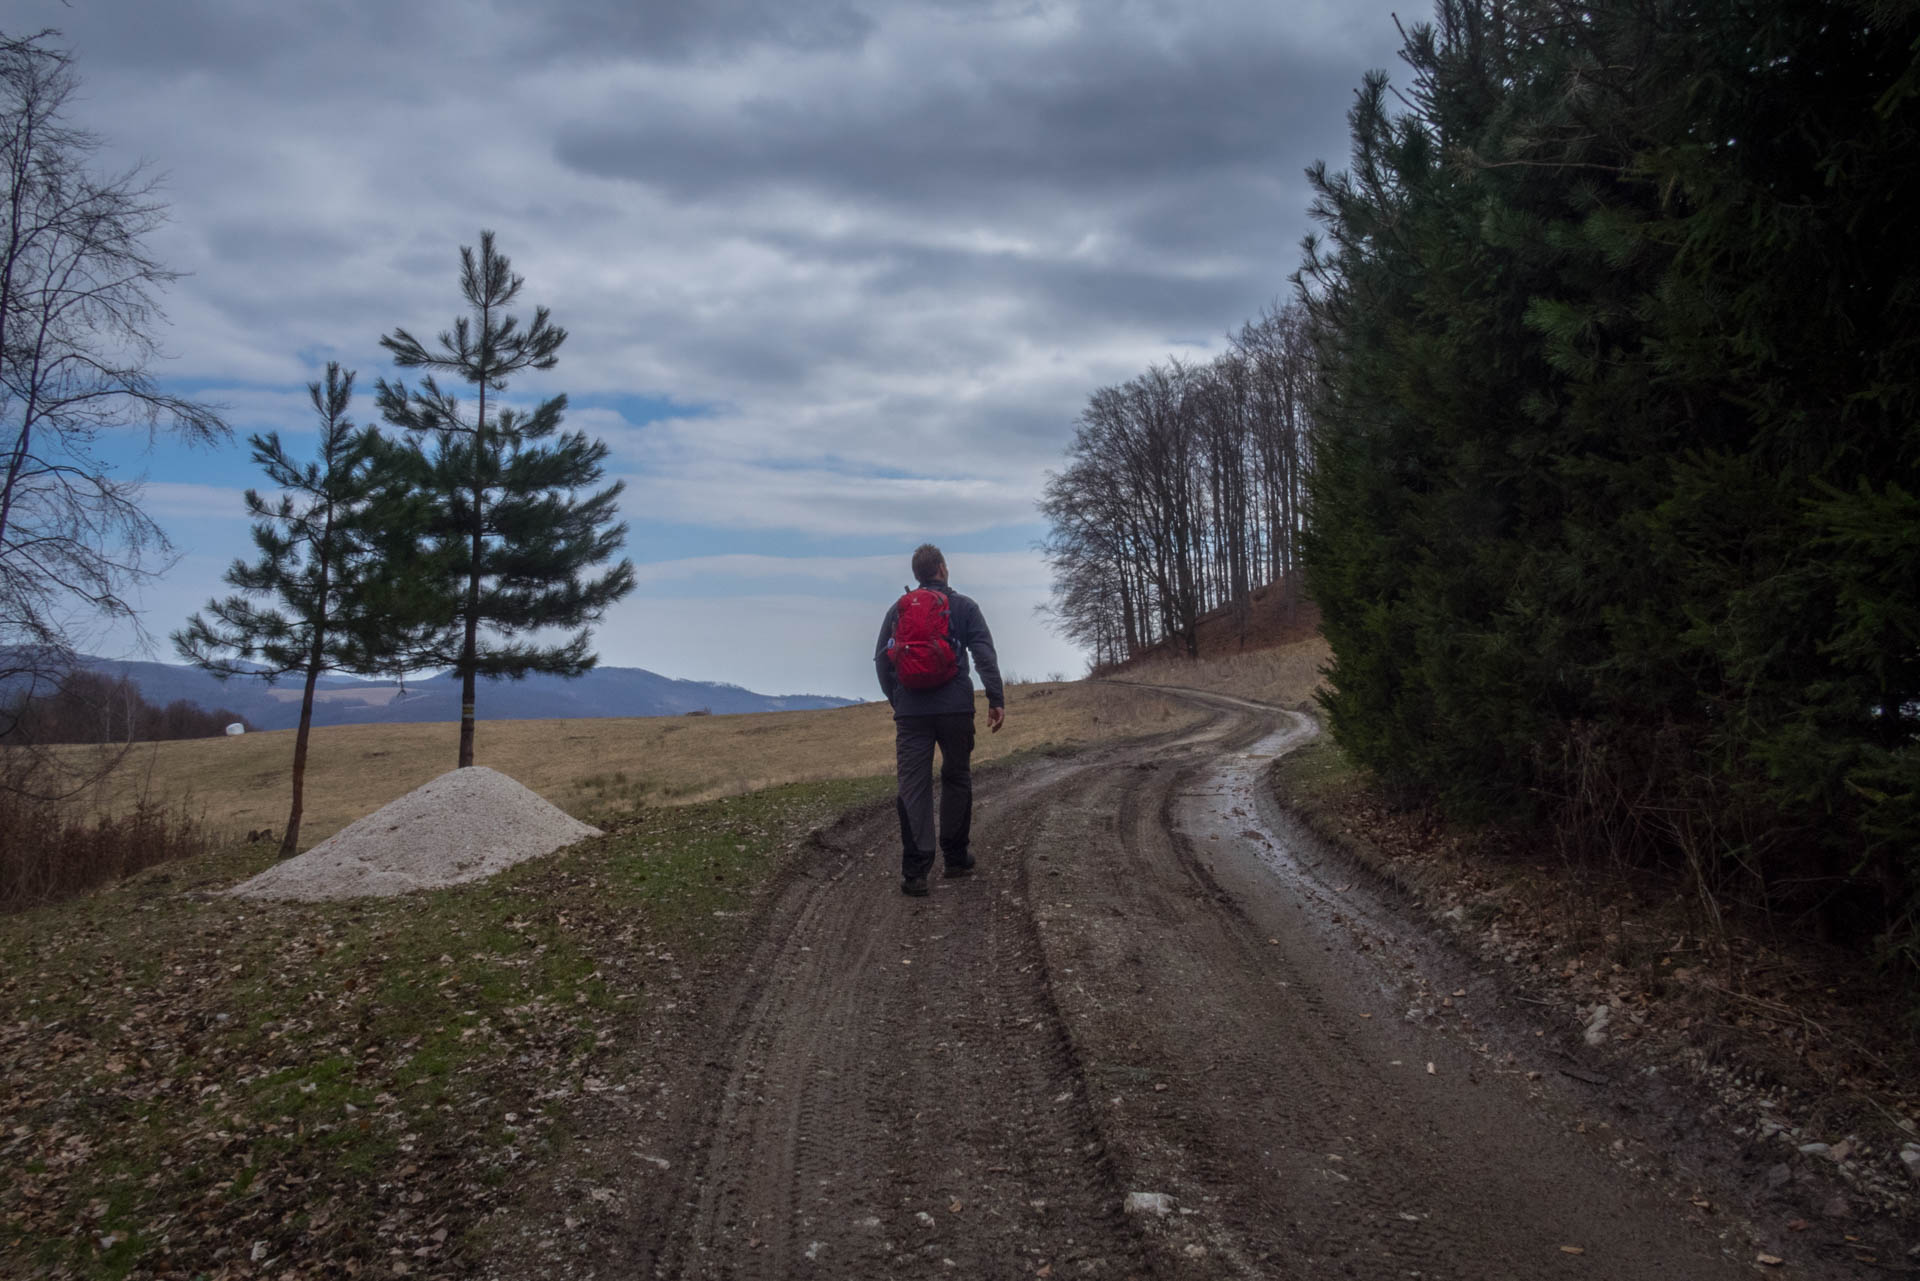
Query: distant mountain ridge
point(341, 700)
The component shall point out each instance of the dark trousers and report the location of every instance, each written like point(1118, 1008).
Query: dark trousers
point(914, 738)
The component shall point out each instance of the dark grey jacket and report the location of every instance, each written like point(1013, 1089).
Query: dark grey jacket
point(968, 629)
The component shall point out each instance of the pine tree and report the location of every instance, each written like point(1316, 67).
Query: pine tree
point(320, 561)
point(512, 544)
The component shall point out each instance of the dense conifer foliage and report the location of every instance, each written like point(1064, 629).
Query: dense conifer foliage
point(1616, 464)
point(327, 593)
point(516, 536)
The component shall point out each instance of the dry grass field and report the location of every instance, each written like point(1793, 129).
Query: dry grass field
point(595, 767)
point(1285, 674)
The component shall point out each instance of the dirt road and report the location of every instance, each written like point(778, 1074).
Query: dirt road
point(1152, 986)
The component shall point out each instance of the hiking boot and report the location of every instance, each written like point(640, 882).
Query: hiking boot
point(916, 886)
point(959, 869)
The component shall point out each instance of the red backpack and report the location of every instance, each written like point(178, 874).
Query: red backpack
point(921, 649)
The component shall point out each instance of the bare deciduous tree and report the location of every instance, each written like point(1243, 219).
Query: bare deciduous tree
point(78, 314)
point(1182, 494)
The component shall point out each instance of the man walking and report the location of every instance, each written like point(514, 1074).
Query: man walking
point(922, 663)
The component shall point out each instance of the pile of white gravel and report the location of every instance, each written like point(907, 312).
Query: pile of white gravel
point(465, 825)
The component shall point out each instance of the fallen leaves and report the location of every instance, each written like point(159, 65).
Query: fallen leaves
point(1758, 1010)
point(195, 1086)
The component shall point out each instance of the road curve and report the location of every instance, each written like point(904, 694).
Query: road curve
point(1154, 985)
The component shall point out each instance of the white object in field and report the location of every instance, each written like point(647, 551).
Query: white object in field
point(235, 729)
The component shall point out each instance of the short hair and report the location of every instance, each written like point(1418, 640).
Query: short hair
point(927, 561)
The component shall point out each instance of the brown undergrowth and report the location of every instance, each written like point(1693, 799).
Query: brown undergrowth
point(54, 841)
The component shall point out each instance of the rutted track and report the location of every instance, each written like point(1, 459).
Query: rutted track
point(897, 1084)
point(1145, 988)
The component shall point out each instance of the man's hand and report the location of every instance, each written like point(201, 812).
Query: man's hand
point(996, 717)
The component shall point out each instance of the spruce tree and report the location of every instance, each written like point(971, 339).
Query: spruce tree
point(1614, 465)
point(321, 561)
point(513, 546)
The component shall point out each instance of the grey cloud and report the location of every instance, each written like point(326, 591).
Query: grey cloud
point(822, 501)
point(886, 247)
point(1146, 289)
point(252, 244)
point(1097, 122)
point(1235, 216)
point(671, 32)
point(231, 34)
point(857, 240)
point(761, 359)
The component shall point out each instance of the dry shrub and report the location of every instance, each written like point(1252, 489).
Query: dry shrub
point(54, 845)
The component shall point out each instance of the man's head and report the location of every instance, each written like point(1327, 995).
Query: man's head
point(928, 564)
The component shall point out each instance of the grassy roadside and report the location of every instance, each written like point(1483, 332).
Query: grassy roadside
point(1794, 1045)
point(195, 1086)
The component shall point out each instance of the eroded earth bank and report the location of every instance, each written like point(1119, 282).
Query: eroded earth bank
point(1155, 986)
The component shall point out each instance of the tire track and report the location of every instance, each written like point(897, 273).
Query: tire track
point(895, 1093)
point(1136, 993)
point(1259, 1073)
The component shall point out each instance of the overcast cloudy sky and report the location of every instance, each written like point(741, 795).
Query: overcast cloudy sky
point(839, 273)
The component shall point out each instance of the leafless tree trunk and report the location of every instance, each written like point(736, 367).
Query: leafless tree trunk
point(78, 311)
point(1183, 489)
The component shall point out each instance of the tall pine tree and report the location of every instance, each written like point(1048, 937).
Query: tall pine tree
point(513, 546)
point(321, 560)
